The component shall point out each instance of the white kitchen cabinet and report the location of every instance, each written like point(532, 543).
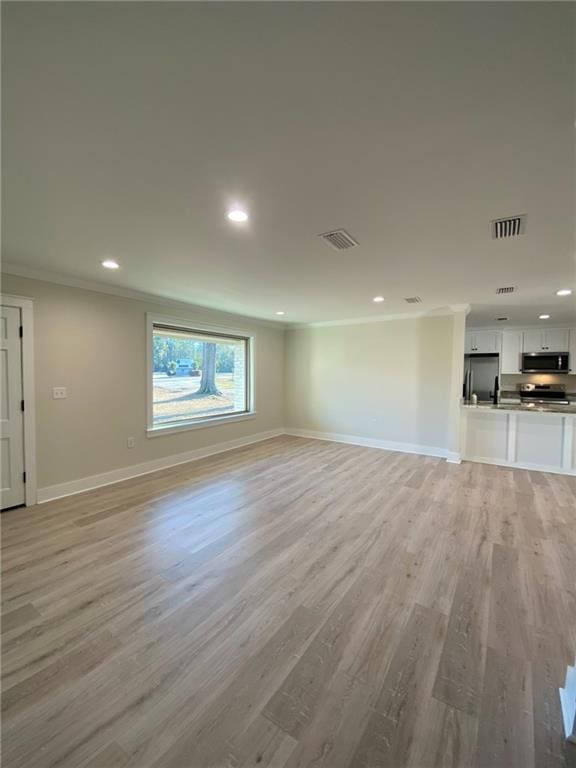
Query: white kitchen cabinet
point(572, 350)
point(544, 340)
point(556, 340)
point(533, 340)
point(511, 357)
point(482, 342)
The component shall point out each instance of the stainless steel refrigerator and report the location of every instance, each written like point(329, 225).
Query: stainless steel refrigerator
point(480, 376)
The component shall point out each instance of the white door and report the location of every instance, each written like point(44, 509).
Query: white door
point(572, 351)
point(469, 342)
point(533, 341)
point(11, 416)
point(556, 340)
point(487, 342)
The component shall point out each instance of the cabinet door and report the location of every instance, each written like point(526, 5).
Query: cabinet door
point(487, 342)
point(469, 342)
point(555, 340)
point(533, 341)
point(572, 351)
point(511, 358)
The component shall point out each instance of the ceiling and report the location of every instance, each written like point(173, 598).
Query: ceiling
point(129, 129)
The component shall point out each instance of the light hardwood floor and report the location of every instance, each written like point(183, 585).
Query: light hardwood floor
point(295, 603)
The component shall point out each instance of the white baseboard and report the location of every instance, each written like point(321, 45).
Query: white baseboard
point(555, 470)
point(52, 492)
point(369, 442)
point(568, 703)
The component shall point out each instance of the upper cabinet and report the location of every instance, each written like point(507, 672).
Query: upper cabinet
point(511, 358)
point(510, 344)
point(482, 342)
point(542, 340)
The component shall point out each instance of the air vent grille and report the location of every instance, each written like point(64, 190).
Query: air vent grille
point(508, 227)
point(413, 300)
point(338, 239)
point(505, 289)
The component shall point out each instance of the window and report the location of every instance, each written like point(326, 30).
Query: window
point(198, 376)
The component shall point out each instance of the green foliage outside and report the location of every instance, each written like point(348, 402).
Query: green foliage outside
point(167, 350)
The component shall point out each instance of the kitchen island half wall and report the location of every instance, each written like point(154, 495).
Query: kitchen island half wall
point(543, 440)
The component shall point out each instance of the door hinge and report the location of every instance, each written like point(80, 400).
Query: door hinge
point(21, 331)
point(24, 477)
point(22, 405)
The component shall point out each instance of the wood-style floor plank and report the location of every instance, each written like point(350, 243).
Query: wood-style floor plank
point(292, 604)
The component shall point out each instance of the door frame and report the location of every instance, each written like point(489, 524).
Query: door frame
point(26, 306)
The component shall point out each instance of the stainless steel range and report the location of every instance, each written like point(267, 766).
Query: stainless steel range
point(543, 393)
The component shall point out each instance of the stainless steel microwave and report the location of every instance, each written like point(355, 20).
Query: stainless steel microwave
point(545, 362)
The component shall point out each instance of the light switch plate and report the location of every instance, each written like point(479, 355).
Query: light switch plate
point(59, 393)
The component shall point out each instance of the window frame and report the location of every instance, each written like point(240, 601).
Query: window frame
point(182, 324)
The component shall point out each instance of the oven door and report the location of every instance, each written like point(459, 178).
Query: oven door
point(549, 362)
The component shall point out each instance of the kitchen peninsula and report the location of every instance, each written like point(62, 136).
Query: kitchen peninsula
point(533, 426)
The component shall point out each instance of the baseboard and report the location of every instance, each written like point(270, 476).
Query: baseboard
point(369, 442)
point(52, 492)
point(520, 465)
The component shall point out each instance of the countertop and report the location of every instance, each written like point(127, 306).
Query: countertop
point(524, 407)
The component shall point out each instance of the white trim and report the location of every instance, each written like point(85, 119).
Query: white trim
point(415, 314)
point(212, 421)
point(566, 326)
point(136, 470)
point(370, 442)
point(153, 319)
point(512, 437)
point(26, 306)
point(568, 704)
point(46, 276)
point(520, 465)
point(567, 442)
point(57, 278)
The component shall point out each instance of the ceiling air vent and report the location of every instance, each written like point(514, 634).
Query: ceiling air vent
point(508, 227)
point(338, 239)
point(413, 300)
point(505, 289)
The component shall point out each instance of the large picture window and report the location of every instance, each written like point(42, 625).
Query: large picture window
point(197, 376)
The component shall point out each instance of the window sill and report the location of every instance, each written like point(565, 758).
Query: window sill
point(170, 429)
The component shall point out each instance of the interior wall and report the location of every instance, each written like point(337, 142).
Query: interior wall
point(387, 381)
point(95, 345)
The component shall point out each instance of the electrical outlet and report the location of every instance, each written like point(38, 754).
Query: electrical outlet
point(131, 442)
point(59, 393)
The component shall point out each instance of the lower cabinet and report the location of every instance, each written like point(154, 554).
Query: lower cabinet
point(529, 440)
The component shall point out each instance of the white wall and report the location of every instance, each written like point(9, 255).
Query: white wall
point(388, 381)
point(394, 383)
point(95, 345)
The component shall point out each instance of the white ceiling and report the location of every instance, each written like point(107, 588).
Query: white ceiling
point(130, 128)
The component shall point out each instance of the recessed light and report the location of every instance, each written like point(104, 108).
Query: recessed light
point(544, 317)
point(110, 264)
point(564, 292)
point(378, 299)
point(237, 215)
point(280, 312)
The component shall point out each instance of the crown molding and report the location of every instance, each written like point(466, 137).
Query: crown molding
point(414, 315)
point(45, 276)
